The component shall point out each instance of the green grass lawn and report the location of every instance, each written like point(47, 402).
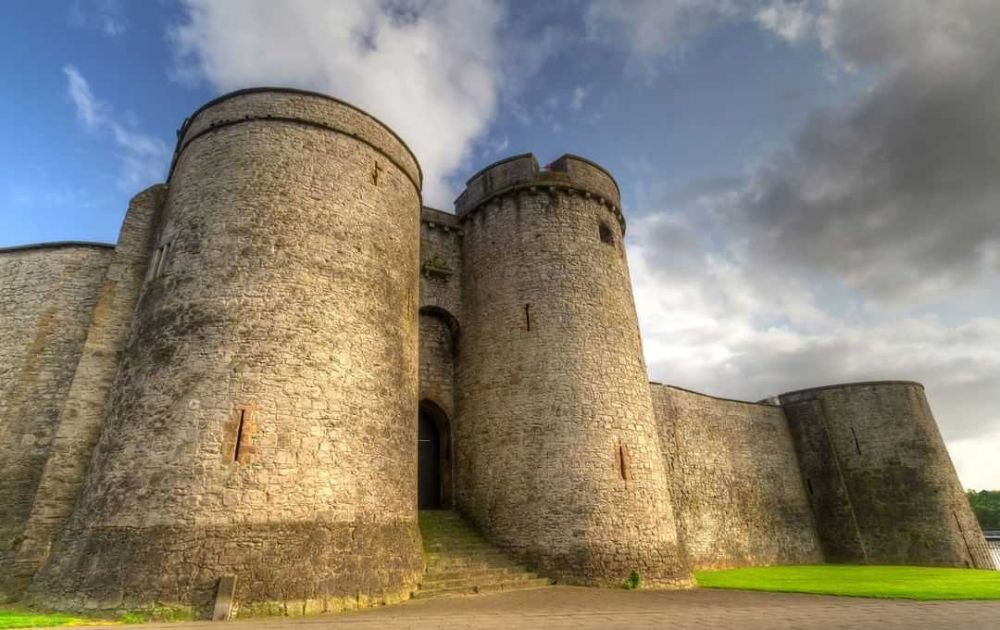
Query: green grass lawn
point(14, 617)
point(860, 581)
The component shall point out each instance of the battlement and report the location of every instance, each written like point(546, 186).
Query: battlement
point(301, 107)
point(569, 172)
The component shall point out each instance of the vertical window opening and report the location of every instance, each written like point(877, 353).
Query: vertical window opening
point(159, 263)
point(155, 265)
point(857, 445)
point(239, 435)
point(809, 482)
point(527, 316)
point(623, 461)
point(607, 236)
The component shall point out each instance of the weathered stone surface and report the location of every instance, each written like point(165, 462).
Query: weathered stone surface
point(885, 490)
point(47, 297)
point(739, 498)
point(558, 455)
point(83, 413)
point(233, 391)
point(284, 283)
point(440, 306)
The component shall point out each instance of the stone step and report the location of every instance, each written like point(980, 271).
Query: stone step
point(460, 561)
point(479, 581)
point(437, 538)
point(487, 558)
point(451, 573)
point(458, 548)
point(491, 588)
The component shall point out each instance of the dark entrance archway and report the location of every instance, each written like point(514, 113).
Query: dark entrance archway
point(434, 474)
point(428, 464)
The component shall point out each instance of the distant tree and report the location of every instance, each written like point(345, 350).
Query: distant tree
point(986, 505)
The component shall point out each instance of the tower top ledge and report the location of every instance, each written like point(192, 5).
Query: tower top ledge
point(300, 107)
point(522, 171)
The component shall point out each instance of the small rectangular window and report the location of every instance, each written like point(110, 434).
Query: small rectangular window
point(606, 235)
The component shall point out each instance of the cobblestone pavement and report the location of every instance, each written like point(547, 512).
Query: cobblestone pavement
point(556, 608)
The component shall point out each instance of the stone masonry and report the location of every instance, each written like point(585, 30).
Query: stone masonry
point(233, 389)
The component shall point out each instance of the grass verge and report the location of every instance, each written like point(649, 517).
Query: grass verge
point(20, 618)
point(13, 616)
point(891, 582)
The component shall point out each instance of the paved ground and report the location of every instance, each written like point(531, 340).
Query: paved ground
point(558, 608)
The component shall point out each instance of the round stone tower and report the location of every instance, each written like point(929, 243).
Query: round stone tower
point(263, 420)
point(881, 484)
point(556, 443)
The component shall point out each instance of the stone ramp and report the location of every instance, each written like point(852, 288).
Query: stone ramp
point(459, 561)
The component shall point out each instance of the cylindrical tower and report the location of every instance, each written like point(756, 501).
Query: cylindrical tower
point(880, 481)
point(263, 421)
point(556, 443)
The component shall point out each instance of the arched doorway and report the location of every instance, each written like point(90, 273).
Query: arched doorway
point(428, 464)
point(434, 474)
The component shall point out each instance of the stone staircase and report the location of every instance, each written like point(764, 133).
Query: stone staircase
point(460, 561)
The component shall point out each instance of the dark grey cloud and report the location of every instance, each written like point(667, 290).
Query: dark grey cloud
point(900, 193)
point(867, 249)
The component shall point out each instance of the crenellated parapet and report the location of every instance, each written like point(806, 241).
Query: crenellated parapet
point(570, 173)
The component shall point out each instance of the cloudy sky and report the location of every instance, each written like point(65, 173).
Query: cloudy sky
point(812, 186)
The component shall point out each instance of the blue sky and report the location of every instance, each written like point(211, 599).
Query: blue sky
point(810, 184)
point(739, 93)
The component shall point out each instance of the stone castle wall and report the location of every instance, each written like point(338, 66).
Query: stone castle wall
point(263, 417)
point(440, 306)
point(233, 391)
point(47, 295)
point(558, 456)
point(739, 497)
point(82, 416)
point(884, 489)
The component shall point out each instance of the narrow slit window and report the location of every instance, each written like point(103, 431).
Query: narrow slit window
point(159, 263)
point(238, 449)
point(154, 265)
point(527, 317)
point(607, 236)
point(623, 461)
point(809, 483)
point(857, 445)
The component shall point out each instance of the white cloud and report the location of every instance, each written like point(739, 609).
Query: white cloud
point(431, 70)
point(651, 30)
point(714, 321)
point(106, 16)
point(144, 158)
point(576, 100)
point(494, 148)
point(865, 249)
point(88, 108)
point(791, 21)
point(977, 461)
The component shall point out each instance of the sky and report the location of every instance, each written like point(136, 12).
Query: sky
point(811, 186)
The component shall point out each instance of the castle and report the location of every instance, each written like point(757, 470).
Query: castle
point(285, 357)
